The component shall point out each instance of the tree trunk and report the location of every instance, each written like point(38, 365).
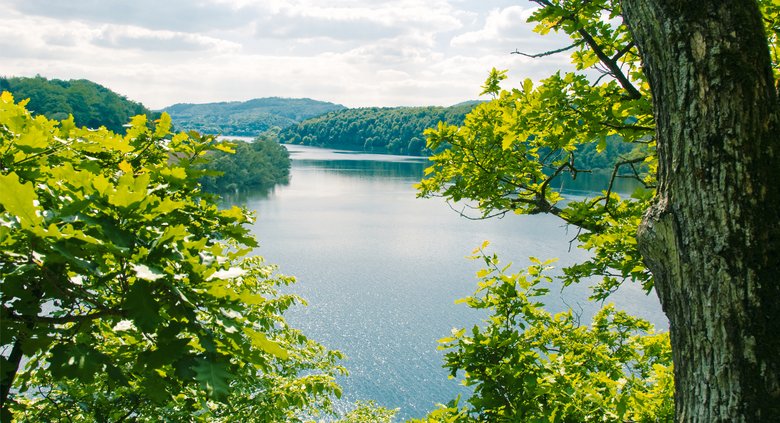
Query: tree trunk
point(712, 239)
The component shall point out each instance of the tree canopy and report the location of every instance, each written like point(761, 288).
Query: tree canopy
point(259, 164)
point(528, 365)
point(396, 130)
point(129, 293)
point(92, 105)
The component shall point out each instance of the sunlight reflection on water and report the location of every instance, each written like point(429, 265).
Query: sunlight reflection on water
point(381, 269)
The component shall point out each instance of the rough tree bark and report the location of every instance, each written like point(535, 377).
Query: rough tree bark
point(712, 239)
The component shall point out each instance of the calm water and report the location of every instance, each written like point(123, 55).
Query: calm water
point(381, 269)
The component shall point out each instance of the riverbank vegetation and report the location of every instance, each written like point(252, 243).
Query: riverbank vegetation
point(399, 130)
point(261, 163)
point(396, 130)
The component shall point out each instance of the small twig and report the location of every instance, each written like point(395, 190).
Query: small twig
point(463, 214)
point(67, 319)
point(618, 165)
point(571, 241)
point(547, 53)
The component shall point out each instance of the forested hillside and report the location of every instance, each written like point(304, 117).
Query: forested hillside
point(92, 105)
point(247, 118)
point(400, 130)
point(397, 130)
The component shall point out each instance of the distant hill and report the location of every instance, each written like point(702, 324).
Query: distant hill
point(397, 130)
point(92, 105)
point(247, 118)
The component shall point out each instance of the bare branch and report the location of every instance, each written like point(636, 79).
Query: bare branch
point(547, 53)
point(617, 167)
point(66, 319)
point(463, 214)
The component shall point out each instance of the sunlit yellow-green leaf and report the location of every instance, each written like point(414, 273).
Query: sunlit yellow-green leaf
point(163, 126)
point(260, 341)
point(20, 200)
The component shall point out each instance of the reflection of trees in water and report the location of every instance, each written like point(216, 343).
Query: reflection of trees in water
point(363, 168)
point(229, 199)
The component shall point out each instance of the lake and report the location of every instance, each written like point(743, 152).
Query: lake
point(381, 269)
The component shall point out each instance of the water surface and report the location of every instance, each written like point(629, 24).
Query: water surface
point(381, 269)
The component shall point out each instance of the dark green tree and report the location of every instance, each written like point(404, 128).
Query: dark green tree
point(259, 164)
point(125, 292)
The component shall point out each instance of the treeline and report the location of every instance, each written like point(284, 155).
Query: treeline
point(262, 163)
point(397, 130)
point(612, 151)
point(247, 118)
point(92, 105)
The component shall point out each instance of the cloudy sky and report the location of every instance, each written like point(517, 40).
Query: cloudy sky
point(352, 52)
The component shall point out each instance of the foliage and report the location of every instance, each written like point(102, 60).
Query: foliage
point(510, 150)
point(530, 365)
point(261, 163)
point(396, 130)
point(400, 131)
point(129, 293)
point(368, 412)
point(91, 105)
point(247, 118)
point(527, 364)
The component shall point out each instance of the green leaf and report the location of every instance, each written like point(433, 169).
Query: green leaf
point(492, 84)
point(20, 200)
point(251, 298)
point(213, 377)
point(528, 86)
point(508, 140)
point(260, 341)
point(129, 191)
point(602, 145)
point(163, 125)
point(75, 361)
point(34, 140)
point(142, 307)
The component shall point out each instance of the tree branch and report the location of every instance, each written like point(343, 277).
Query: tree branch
point(610, 63)
point(623, 51)
point(547, 53)
point(613, 67)
point(66, 319)
point(618, 165)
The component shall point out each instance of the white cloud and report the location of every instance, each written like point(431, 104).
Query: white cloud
point(131, 37)
point(508, 28)
point(353, 52)
point(180, 15)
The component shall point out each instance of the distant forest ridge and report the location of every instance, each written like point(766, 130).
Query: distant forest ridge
point(396, 130)
point(247, 118)
point(91, 104)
